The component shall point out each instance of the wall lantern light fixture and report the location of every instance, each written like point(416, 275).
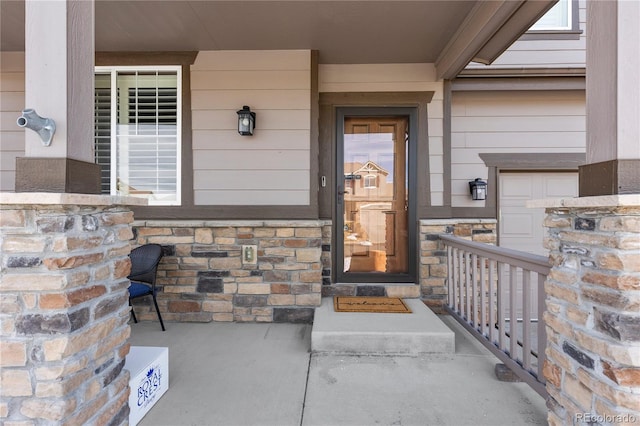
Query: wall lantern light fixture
point(246, 121)
point(478, 189)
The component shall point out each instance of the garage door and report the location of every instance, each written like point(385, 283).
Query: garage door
point(520, 228)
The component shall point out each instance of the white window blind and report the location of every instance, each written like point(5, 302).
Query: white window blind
point(143, 157)
point(102, 129)
point(558, 18)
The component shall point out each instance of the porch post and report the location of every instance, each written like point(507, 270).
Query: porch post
point(613, 105)
point(59, 68)
point(592, 317)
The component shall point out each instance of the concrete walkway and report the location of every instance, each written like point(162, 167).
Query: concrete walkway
point(234, 374)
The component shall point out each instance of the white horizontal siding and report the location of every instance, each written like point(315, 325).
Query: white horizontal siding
point(252, 79)
point(547, 58)
point(226, 119)
point(519, 124)
point(436, 146)
point(379, 78)
point(510, 122)
point(12, 62)
point(12, 81)
point(520, 139)
point(256, 99)
point(263, 159)
point(11, 104)
point(265, 180)
point(396, 78)
point(375, 73)
point(275, 140)
point(255, 197)
point(8, 120)
point(543, 53)
point(272, 167)
point(13, 140)
point(244, 60)
point(12, 100)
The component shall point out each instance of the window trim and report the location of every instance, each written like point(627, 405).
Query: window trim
point(369, 178)
point(113, 72)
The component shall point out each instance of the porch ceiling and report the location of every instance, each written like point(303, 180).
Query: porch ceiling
point(342, 31)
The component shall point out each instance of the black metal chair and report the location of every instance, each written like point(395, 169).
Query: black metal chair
point(144, 266)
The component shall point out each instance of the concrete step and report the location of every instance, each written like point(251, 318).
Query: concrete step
point(360, 333)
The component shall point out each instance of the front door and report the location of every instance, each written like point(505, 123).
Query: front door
point(373, 200)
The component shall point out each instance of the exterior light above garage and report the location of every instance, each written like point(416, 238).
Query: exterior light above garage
point(478, 189)
point(246, 121)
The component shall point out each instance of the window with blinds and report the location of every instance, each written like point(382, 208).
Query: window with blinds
point(558, 18)
point(137, 132)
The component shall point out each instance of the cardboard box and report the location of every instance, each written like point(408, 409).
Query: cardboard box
point(149, 368)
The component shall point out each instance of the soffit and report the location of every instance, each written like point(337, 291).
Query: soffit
point(342, 31)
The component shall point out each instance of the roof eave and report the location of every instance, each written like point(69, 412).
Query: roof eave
point(490, 28)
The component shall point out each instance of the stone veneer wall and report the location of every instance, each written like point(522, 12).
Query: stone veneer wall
point(203, 278)
point(433, 256)
point(63, 310)
point(593, 314)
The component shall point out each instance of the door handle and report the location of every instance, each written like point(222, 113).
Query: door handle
point(340, 193)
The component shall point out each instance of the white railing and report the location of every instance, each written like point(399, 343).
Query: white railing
point(498, 295)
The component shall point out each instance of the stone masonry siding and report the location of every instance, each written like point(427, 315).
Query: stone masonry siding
point(64, 314)
point(593, 315)
point(433, 270)
point(203, 276)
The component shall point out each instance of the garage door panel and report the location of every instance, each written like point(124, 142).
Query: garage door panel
point(520, 225)
point(517, 188)
point(562, 186)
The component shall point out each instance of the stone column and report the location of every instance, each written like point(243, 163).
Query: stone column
point(64, 308)
point(593, 310)
point(59, 84)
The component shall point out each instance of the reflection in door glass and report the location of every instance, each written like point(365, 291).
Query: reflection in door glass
point(375, 223)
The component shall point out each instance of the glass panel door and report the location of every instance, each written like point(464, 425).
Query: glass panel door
point(373, 197)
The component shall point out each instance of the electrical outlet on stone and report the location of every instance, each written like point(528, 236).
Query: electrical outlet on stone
point(250, 254)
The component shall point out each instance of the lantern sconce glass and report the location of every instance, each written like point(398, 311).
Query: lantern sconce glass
point(478, 189)
point(246, 121)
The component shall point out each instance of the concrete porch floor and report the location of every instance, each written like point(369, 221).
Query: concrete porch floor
point(264, 374)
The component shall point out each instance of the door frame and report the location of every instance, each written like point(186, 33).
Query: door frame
point(412, 182)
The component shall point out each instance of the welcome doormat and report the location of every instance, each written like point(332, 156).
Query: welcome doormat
point(376, 304)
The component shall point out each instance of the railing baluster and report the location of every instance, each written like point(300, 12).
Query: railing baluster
point(526, 319)
point(474, 284)
point(460, 285)
point(492, 301)
point(501, 308)
point(450, 285)
point(542, 332)
point(467, 286)
point(454, 260)
point(513, 311)
point(483, 296)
